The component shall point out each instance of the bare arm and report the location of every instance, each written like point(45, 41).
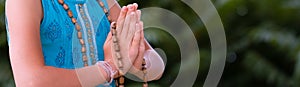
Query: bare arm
point(26, 56)
point(155, 71)
point(114, 9)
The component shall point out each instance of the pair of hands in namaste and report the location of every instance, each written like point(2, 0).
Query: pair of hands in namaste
point(130, 37)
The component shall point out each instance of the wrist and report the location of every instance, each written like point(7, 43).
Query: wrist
point(107, 71)
point(112, 64)
point(104, 73)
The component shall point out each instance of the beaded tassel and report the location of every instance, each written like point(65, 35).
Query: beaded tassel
point(144, 69)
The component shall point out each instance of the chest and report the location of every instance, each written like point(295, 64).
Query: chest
point(57, 27)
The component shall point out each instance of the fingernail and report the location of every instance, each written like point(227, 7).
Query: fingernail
point(130, 7)
point(123, 8)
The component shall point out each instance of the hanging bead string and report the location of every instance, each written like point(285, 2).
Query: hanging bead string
point(120, 80)
point(89, 34)
point(78, 28)
point(144, 69)
point(105, 11)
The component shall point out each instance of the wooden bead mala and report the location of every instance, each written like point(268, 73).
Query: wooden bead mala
point(120, 80)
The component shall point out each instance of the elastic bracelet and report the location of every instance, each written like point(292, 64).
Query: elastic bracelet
point(108, 69)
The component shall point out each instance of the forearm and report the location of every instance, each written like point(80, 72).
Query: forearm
point(54, 77)
point(48, 76)
point(114, 9)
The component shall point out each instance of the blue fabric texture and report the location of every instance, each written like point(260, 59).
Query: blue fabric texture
point(60, 44)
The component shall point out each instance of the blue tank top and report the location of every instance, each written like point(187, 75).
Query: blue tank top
point(60, 45)
point(59, 36)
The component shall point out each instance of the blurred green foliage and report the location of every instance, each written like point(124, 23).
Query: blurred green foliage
point(262, 37)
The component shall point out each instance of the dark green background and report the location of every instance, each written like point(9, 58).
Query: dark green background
point(262, 40)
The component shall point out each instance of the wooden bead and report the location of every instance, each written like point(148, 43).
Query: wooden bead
point(79, 35)
point(121, 72)
point(114, 32)
point(61, 2)
point(85, 64)
point(115, 39)
point(145, 78)
point(89, 31)
point(83, 49)
point(116, 47)
point(84, 57)
point(81, 11)
point(92, 55)
point(118, 55)
point(114, 26)
point(74, 20)
point(105, 10)
point(70, 14)
point(77, 27)
point(121, 80)
point(143, 68)
point(92, 48)
point(144, 71)
point(87, 24)
point(143, 63)
point(120, 64)
point(101, 4)
point(81, 41)
point(90, 40)
point(66, 7)
point(145, 85)
point(85, 19)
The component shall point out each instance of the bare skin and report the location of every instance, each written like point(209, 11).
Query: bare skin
point(25, 49)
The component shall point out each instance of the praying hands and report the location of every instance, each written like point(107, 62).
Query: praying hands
point(130, 38)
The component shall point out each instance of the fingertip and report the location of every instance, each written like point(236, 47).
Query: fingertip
point(130, 7)
point(124, 9)
point(139, 11)
point(135, 5)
